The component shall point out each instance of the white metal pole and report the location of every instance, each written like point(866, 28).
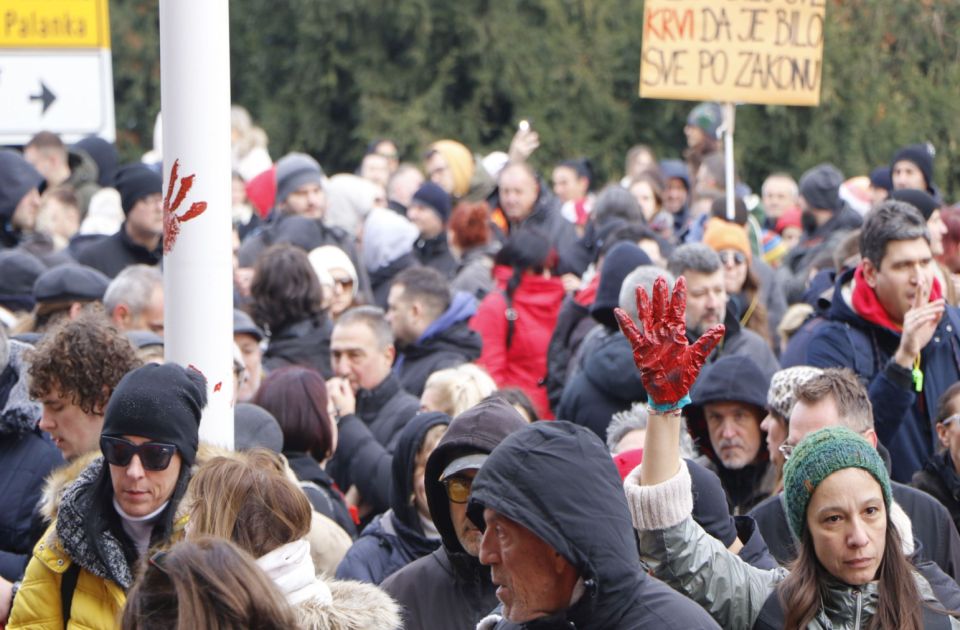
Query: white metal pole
point(729, 123)
point(197, 261)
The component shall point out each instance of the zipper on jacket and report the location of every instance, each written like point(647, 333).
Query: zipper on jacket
point(856, 621)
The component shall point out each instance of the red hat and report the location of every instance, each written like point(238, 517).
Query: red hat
point(627, 461)
point(789, 218)
point(262, 191)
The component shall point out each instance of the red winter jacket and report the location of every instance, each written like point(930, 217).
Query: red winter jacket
point(524, 364)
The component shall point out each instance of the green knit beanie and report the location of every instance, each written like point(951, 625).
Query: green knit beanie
point(818, 456)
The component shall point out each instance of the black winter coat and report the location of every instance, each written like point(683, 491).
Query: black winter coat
point(609, 382)
point(382, 279)
point(117, 252)
point(26, 458)
point(447, 342)
point(573, 324)
point(558, 480)
point(368, 439)
point(395, 538)
point(435, 252)
point(939, 479)
point(450, 589)
point(319, 487)
point(305, 343)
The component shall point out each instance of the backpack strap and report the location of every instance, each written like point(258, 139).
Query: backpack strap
point(512, 316)
point(68, 584)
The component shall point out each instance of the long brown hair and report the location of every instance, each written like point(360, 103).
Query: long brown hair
point(755, 316)
point(248, 499)
point(207, 584)
point(898, 602)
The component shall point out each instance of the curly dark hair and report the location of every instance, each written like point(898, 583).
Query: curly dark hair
point(84, 359)
point(285, 288)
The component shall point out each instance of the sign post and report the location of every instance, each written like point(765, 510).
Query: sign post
point(198, 258)
point(55, 70)
point(736, 51)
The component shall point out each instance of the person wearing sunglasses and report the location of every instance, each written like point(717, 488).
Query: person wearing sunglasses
point(759, 307)
point(120, 506)
point(449, 588)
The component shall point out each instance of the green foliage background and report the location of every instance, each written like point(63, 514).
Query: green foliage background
point(326, 76)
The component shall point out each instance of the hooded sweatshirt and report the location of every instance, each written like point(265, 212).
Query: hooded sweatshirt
point(734, 378)
point(450, 589)
point(397, 537)
point(26, 458)
point(558, 480)
point(447, 342)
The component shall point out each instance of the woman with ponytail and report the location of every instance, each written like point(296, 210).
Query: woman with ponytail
point(517, 319)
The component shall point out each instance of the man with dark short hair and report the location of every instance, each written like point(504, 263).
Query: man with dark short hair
point(888, 323)
point(430, 326)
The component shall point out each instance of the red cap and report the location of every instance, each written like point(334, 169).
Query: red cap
point(627, 461)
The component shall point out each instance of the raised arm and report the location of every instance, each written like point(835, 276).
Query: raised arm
point(668, 367)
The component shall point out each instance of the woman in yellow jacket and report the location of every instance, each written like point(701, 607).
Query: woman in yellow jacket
point(119, 506)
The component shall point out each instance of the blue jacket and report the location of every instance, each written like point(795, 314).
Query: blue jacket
point(904, 421)
point(26, 457)
point(396, 538)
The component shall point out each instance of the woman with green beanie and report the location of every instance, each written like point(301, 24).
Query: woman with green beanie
point(850, 571)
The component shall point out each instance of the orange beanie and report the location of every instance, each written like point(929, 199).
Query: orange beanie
point(721, 235)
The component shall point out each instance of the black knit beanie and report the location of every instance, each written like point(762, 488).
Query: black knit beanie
point(134, 182)
point(919, 199)
point(919, 154)
point(162, 403)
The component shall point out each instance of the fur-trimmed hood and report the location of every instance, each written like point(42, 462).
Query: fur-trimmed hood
point(356, 606)
point(19, 413)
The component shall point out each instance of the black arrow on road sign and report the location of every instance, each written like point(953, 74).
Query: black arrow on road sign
point(46, 96)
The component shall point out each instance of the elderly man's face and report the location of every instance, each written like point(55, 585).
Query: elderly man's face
point(518, 193)
point(532, 579)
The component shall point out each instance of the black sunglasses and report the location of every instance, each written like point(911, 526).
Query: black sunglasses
point(153, 455)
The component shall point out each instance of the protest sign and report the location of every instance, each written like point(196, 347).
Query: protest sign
point(744, 51)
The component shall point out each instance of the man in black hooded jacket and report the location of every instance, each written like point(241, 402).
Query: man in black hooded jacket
point(450, 589)
point(553, 487)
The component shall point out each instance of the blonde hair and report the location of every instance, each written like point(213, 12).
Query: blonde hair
point(248, 499)
point(460, 388)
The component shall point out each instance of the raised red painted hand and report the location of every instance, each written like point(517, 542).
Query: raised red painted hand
point(668, 364)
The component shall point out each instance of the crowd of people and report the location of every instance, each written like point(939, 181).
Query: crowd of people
point(468, 396)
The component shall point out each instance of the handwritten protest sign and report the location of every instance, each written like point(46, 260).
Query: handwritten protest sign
point(746, 51)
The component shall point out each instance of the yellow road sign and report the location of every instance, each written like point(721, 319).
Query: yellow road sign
point(54, 24)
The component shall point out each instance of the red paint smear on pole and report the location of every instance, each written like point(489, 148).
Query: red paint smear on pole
point(171, 222)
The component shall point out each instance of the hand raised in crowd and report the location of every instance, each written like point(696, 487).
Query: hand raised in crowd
point(524, 143)
point(919, 325)
point(342, 401)
point(668, 364)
